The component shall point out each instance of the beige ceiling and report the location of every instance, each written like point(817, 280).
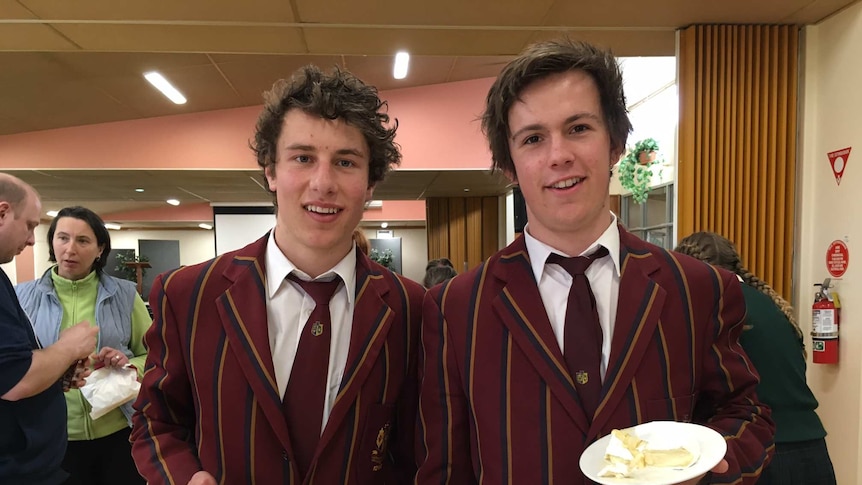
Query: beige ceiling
point(67, 63)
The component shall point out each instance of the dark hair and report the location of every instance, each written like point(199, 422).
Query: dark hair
point(718, 251)
point(438, 274)
point(337, 95)
point(438, 262)
point(541, 60)
point(103, 238)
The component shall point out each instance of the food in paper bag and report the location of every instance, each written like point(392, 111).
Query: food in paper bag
point(109, 388)
point(627, 454)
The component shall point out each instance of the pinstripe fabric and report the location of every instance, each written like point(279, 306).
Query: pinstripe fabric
point(209, 399)
point(497, 405)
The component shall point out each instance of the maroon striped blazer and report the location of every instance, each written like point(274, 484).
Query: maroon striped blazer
point(209, 399)
point(497, 405)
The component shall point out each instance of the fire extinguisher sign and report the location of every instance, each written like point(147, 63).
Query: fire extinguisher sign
point(837, 258)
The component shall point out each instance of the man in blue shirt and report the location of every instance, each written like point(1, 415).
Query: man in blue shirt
point(32, 407)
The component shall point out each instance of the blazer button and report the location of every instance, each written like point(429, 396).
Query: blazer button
point(284, 455)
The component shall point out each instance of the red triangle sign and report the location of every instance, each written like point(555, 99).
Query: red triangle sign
point(838, 159)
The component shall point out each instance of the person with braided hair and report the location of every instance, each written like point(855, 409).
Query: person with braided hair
point(774, 343)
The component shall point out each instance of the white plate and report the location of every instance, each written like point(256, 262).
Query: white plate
point(661, 435)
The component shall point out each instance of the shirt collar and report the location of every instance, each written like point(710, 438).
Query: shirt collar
point(540, 251)
point(278, 267)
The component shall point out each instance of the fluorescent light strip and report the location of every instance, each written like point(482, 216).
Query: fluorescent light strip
point(173, 201)
point(402, 61)
point(206, 226)
point(114, 227)
point(162, 84)
point(52, 213)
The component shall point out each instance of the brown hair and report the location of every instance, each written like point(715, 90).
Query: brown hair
point(719, 251)
point(361, 241)
point(335, 95)
point(539, 61)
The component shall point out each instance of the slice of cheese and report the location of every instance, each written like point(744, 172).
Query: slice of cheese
point(623, 456)
point(627, 453)
point(674, 458)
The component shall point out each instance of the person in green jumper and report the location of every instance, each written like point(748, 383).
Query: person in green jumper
point(77, 289)
point(774, 343)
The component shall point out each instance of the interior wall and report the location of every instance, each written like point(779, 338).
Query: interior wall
point(198, 245)
point(195, 245)
point(831, 117)
point(414, 249)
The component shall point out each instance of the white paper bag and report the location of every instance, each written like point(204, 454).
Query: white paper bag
point(109, 388)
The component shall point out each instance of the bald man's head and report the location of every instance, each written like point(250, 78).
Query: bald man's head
point(20, 210)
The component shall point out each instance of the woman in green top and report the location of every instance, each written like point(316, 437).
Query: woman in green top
point(77, 289)
point(774, 343)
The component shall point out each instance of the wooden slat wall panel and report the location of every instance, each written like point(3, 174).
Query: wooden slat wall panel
point(490, 226)
point(737, 141)
point(474, 231)
point(463, 229)
point(437, 217)
point(457, 234)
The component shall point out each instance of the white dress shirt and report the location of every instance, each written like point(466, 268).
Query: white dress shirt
point(555, 282)
point(288, 308)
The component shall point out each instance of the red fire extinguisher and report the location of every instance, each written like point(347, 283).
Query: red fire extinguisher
point(824, 329)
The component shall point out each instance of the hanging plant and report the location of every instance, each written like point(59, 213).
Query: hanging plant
point(635, 169)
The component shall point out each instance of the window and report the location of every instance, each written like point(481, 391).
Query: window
point(651, 221)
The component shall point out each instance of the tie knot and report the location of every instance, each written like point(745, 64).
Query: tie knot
point(321, 291)
point(579, 264)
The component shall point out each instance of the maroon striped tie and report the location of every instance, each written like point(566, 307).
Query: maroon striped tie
point(582, 337)
point(305, 395)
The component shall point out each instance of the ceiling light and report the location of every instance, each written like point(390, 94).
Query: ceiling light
point(204, 225)
point(402, 60)
point(139, 189)
point(466, 190)
point(162, 84)
point(113, 227)
point(384, 225)
point(173, 201)
point(52, 213)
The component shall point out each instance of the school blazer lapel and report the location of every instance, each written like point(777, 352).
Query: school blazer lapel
point(639, 307)
point(519, 306)
point(372, 319)
point(242, 309)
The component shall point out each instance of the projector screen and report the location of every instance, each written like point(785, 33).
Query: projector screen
point(237, 226)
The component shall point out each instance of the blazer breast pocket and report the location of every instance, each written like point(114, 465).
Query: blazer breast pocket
point(679, 408)
point(373, 464)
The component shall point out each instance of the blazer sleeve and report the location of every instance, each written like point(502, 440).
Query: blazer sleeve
point(443, 438)
point(163, 445)
point(728, 400)
point(403, 450)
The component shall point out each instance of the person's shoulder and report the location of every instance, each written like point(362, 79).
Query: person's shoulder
point(109, 280)
point(411, 288)
point(682, 267)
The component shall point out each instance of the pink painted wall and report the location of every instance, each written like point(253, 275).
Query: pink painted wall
point(25, 265)
point(438, 128)
point(397, 210)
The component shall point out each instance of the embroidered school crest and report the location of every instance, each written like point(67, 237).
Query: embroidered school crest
point(379, 453)
point(582, 377)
